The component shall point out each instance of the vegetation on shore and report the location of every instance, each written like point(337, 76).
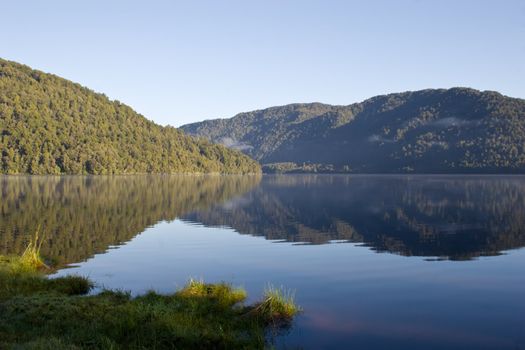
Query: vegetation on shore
point(49, 125)
point(307, 168)
point(54, 313)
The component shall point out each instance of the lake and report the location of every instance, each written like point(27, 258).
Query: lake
point(398, 262)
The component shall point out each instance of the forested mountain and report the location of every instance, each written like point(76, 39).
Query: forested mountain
point(49, 125)
point(437, 130)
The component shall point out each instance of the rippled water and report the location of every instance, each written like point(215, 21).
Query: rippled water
point(404, 262)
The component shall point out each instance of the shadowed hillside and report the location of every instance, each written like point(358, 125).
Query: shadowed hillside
point(457, 130)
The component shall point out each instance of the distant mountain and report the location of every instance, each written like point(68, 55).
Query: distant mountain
point(49, 125)
point(458, 130)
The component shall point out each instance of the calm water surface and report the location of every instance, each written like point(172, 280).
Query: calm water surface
point(398, 262)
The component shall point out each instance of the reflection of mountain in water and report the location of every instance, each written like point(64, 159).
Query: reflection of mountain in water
point(80, 216)
point(446, 216)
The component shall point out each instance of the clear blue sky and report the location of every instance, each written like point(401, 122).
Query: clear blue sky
point(183, 61)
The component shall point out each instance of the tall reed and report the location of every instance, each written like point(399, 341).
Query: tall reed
point(31, 257)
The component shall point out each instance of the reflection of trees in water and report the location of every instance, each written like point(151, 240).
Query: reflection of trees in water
point(80, 216)
point(454, 217)
point(447, 216)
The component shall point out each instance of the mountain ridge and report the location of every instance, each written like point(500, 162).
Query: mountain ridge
point(432, 130)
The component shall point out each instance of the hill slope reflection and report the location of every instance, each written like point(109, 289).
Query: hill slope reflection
point(449, 217)
point(80, 216)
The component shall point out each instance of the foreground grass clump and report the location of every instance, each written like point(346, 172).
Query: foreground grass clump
point(19, 278)
point(41, 313)
point(278, 305)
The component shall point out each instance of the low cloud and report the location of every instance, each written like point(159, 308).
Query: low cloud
point(378, 138)
point(450, 121)
point(230, 142)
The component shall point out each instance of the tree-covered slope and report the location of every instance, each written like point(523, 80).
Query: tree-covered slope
point(435, 130)
point(49, 125)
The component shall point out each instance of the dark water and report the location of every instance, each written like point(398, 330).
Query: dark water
point(398, 262)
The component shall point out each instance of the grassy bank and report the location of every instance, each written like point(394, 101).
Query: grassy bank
point(41, 313)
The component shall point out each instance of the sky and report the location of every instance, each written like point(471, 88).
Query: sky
point(178, 62)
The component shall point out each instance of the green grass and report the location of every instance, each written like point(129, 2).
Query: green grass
point(41, 313)
point(278, 305)
point(31, 259)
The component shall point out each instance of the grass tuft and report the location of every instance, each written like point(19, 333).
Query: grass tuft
point(31, 258)
point(222, 293)
point(278, 305)
point(70, 285)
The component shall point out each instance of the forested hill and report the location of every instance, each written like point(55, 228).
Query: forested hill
point(49, 125)
point(437, 130)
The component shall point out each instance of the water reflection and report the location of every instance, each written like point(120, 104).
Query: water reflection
point(80, 216)
point(448, 217)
